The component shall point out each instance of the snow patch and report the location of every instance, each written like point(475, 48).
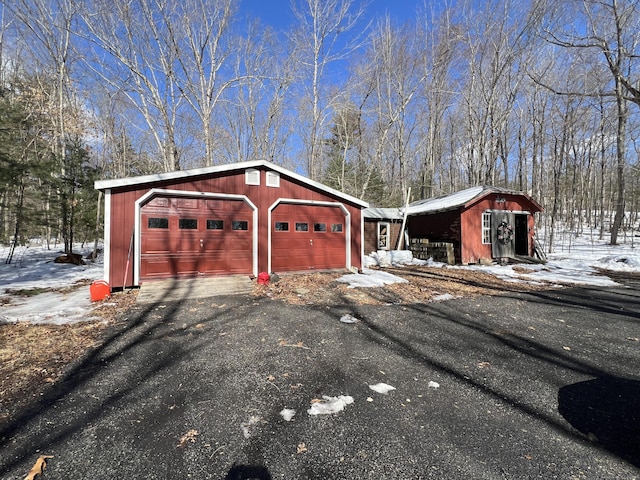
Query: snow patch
point(382, 388)
point(348, 319)
point(287, 414)
point(370, 278)
point(248, 426)
point(443, 297)
point(330, 405)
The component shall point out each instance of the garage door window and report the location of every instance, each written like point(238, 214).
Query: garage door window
point(336, 227)
point(282, 226)
point(240, 225)
point(302, 227)
point(188, 224)
point(215, 225)
point(158, 223)
point(319, 227)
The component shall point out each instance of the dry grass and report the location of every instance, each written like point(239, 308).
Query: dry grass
point(425, 284)
point(33, 357)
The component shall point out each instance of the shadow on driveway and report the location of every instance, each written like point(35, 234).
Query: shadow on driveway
point(607, 411)
point(522, 378)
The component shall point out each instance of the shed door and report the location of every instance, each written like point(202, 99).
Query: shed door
point(502, 235)
point(307, 237)
point(194, 236)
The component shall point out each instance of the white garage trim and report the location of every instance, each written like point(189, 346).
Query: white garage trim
point(106, 247)
point(183, 193)
point(316, 203)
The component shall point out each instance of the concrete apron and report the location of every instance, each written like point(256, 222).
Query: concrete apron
point(178, 289)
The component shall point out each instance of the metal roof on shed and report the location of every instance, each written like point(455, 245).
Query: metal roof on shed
point(382, 213)
point(460, 199)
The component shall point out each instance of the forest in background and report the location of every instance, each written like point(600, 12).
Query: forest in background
point(537, 96)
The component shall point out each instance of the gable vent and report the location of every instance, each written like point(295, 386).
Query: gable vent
point(273, 179)
point(252, 176)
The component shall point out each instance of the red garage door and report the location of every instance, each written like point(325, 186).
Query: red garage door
point(307, 237)
point(195, 236)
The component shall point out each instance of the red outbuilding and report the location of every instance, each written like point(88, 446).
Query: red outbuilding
point(482, 223)
point(241, 218)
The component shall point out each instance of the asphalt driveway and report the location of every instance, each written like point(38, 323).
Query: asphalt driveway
point(541, 385)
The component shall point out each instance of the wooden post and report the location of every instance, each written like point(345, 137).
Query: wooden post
point(404, 221)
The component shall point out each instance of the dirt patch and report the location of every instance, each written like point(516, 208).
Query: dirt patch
point(425, 284)
point(34, 357)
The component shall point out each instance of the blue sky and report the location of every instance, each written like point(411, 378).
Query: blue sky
point(277, 12)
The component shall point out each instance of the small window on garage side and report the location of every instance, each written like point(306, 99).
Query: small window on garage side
point(383, 235)
point(319, 227)
point(188, 224)
point(215, 225)
point(158, 223)
point(282, 226)
point(336, 227)
point(486, 228)
point(302, 227)
point(240, 225)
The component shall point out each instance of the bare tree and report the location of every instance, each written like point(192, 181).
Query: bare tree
point(398, 80)
point(142, 64)
point(200, 36)
point(49, 27)
point(611, 31)
point(496, 42)
point(317, 43)
point(255, 105)
point(440, 39)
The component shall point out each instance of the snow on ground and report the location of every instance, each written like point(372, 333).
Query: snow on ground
point(574, 265)
point(33, 268)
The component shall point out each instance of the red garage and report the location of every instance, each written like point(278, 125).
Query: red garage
point(241, 218)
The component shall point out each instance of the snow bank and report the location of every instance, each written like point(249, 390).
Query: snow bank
point(619, 263)
point(388, 258)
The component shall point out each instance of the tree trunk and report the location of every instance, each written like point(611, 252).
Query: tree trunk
point(623, 113)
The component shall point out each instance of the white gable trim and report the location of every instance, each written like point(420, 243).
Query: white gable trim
point(106, 247)
point(183, 174)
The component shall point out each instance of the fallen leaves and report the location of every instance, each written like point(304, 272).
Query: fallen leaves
point(34, 356)
point(189, 437)
point(302, 448)
point(38, 467)
point(425, 283)
point(283, 343)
